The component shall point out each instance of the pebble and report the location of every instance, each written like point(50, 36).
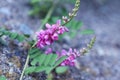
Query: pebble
point(25, 29)
point(5, 11)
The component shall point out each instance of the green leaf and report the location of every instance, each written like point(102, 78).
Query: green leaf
point(35, 60)
point(42, 58)
point(29, 70)
point(46, 63)
point(61, 69)
point(1, 34)
point(20, 38)
point(60, 61)
point(79, 25)
point(87, 31)
point(26, 35)
point(13, 35)
point(2, 78)
point(42, 68)
point(6, 33)
point(47, 60)
point(54, 19)
point(48, 70)
point(2, 41)
point(73, 34)
point(33, 50)
point(35, 1)
point(75, 25)
point(53, 60)
point(35, 55)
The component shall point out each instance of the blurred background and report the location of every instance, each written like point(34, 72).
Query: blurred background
point(95, 17)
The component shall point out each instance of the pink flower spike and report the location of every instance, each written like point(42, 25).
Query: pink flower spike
point(49, 35)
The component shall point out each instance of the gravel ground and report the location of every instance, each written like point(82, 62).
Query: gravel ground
point(102, 63)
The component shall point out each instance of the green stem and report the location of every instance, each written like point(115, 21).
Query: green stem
point(47, 17)
point(26, 63)
point(42, 25)
point(49, 76)
point(27, 60)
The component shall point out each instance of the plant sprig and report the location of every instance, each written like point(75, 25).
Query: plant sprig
point(72, 14)
point(13, 35)
point(89, 46)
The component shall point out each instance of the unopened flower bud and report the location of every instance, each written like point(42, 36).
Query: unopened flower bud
point(75, 9)
point(70, 14)
point(83, 50)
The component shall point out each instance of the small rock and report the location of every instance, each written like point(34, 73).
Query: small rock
point(5, 11)
point(16, 61)
point(25, 29)
point(11, 71)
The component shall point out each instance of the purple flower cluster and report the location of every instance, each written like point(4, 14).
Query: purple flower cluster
point(71, 56)
point(47, 36)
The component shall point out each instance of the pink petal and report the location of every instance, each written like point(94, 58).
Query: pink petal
point(46, 36)
point(58, 22)
point(49, 50)
point(66, 29)
point(48, 25)
point(37, 33)
point(42, 31)
point(54, 27)
point(63, 52)
point(72, 63)
point(55, 36)
point(47, 42)
point(62, 64)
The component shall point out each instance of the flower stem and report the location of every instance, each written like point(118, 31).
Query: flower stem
point(42, 25)
point(74, 12)
point(26, 63)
